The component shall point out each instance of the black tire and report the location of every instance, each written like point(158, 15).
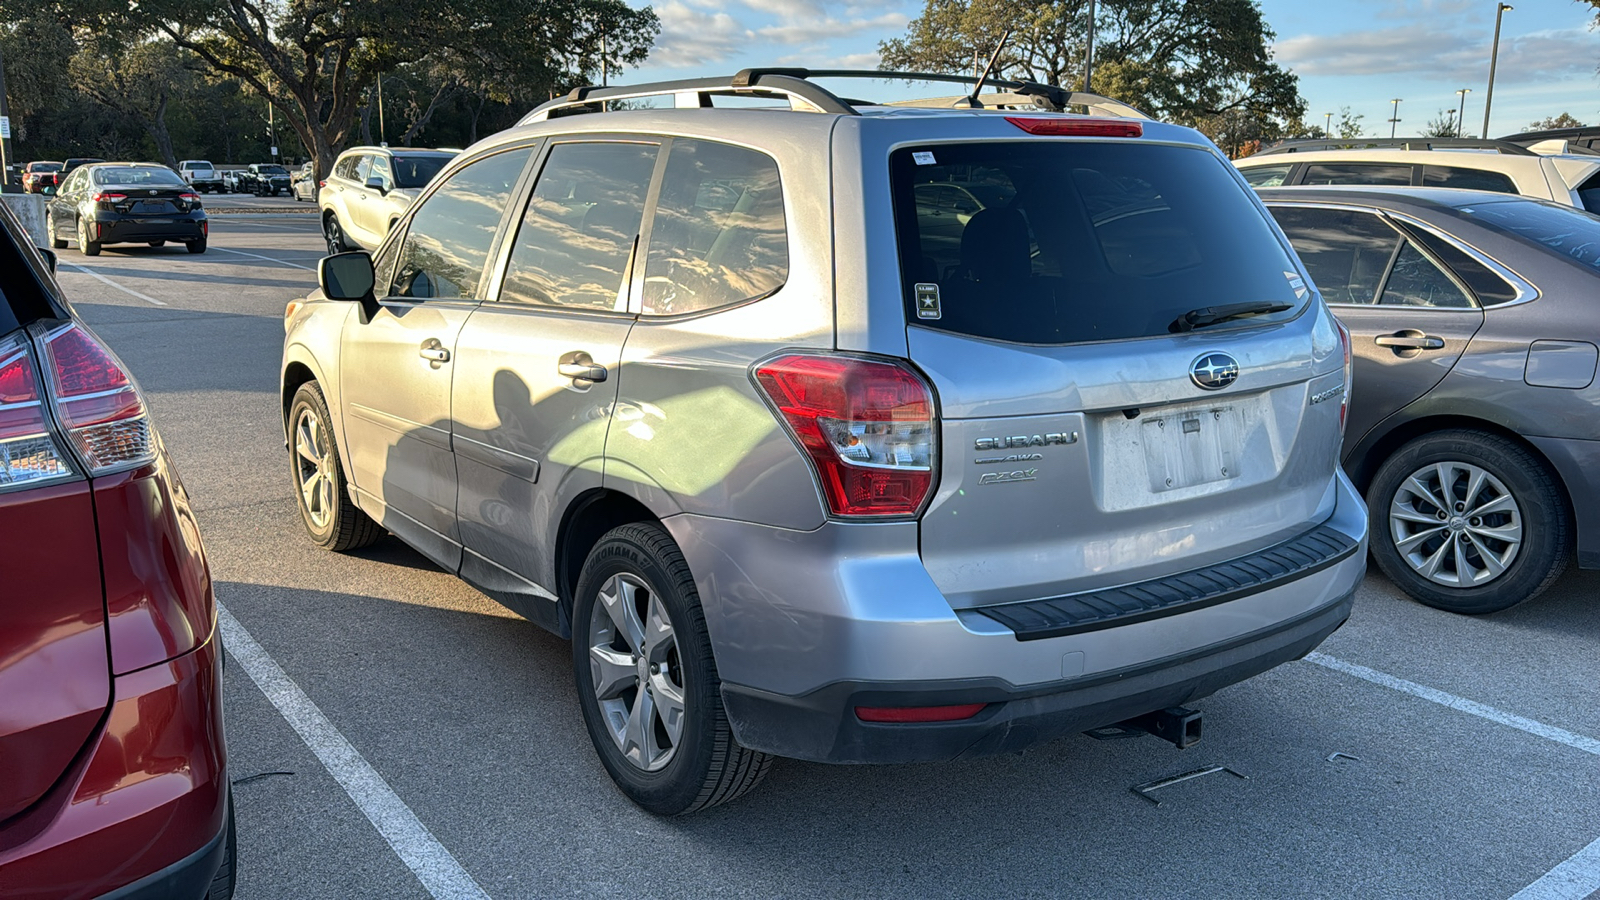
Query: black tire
point(1540, 501)
point(707, 767)
point(56, 241)
point(346, 527)
point(197, 246)
point(86, 246)
point(333, 233)
point(223, 882)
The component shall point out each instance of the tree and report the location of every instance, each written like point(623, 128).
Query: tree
point(1442, 125)
point(1550, 123)
point(1206, 63)
point(136, 79)
point(1349, 125)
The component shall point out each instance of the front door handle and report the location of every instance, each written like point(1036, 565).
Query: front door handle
point(1409, 339)
point(433, 351)
point(580, 365)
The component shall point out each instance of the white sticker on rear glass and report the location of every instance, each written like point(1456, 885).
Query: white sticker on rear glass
point(923, 157)
point(1296, 284)
point(928, 301)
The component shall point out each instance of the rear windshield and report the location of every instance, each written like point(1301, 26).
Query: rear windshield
point(126, 175)
point(417, 171)
point(1056, 242)
point(1561, 229)
point(272, 170)
point(44, 167)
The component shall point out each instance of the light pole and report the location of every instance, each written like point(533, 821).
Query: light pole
point(1088, 53)
point(1494, 57)
point(1394, 119)
point(5, 113)
point(1461, 114)
point(1327, 124)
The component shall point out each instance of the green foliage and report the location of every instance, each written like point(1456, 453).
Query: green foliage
point(1442, 125)
point(1205, 63)
point(1550, 123)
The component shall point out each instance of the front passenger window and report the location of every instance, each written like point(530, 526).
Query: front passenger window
point(448, 241)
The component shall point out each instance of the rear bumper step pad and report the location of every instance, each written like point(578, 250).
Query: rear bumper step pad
point(1273, 567)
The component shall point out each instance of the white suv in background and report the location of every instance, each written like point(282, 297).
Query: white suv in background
point(1507, 168)
point(369, 189)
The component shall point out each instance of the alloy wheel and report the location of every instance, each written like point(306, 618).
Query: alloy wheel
point(637, 672)
point(331, 231)
point(1456, 524)
point(311, 468)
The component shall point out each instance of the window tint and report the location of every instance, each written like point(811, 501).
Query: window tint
point(1345, 251)
point(1266, 176)
point(346, 167)
point(1357, 173)
point(154, 176)
point(1418, 281)
point(580, 226)
point(1469, 179)
point(448, 240)
point(1081, 241)
point(417, 171)
point(363, 169)
point(1490, 288)
point(718, 236)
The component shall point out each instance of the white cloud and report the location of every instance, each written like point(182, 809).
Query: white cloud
point(694, 37)
point(817, 58)
point(827, 28)
point(1409, 51)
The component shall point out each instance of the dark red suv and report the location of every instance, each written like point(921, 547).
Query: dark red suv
point(113, 772)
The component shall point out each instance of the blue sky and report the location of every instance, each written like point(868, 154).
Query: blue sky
point(1356, 53)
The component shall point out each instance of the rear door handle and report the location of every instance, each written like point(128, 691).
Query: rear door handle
point(433, 351)
point(580, 365)
point(1410, 339)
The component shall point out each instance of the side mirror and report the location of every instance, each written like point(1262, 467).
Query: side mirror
point(376, 184)
point(347, 276)
point(49, 259)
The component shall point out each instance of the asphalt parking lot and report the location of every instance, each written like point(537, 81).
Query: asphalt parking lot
point(440, 751)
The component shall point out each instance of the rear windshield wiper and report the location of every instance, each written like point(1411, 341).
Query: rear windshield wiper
point(1211, 315)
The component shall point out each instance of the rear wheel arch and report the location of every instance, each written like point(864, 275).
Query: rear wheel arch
point(588, 518)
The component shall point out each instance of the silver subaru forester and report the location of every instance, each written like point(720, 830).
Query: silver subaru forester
point(844, 431)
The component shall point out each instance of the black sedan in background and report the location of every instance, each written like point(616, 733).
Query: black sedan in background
point(125, 203)
point(264, 180)
point(1474, 422)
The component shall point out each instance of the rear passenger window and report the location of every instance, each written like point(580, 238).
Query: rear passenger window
point(1345, 251)
point(1357, 173)
point(363, 169)
point(1266, 176)
point(1469, 179)
point(1418, 281)
point(718, 236)
point(448, 241)
point(1490, 288)
point(580, 227)
point(346, 168)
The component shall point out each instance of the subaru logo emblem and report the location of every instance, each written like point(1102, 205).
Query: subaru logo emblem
point(1214, 371)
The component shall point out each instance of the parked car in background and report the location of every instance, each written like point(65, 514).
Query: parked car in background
point(263, 180)
point(852, 492)
point(33, 176)
point(1475, 417)
point(1583, 139)
point(230, 181)
point(1499, 166)
point(370, 189)
point(125, 203)
point(305, 185)
point(201, 175)
point(115, 772)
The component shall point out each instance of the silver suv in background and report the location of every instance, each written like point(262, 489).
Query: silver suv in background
point(841, 431)
point(370, 189)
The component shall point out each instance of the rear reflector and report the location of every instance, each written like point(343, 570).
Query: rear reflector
point(901, 715)
point(1063, 126)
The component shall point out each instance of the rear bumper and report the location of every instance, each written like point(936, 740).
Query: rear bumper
point(1578, 464)
point(142, 811)
point(808, 625)
point(177, 227)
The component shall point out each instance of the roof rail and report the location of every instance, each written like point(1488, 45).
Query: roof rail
point(794, 84)
point(1415, 143)
point(1569, 134)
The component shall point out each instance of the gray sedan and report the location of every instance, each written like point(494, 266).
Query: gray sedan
point(1474, 426)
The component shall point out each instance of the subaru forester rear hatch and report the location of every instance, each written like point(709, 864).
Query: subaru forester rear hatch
point(1126, 367)
point(55, 680)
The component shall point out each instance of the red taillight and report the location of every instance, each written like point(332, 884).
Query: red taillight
point(1077, 126)
point(107, 197)
point(28, 453)
point(1349, 379)
point(189, 195)
point(901, 715)
point(97, 403)
point(867, 427)
point(322, 184)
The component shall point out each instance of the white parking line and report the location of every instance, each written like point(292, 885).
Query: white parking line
point(267, 258)
point(1574, 879)
point(1579, 876)
point(440, 873)
point(1461, 704)
point(93, 274)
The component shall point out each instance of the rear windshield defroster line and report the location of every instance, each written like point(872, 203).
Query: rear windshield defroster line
point(1060, 242)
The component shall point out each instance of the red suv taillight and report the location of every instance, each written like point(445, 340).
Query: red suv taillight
point(96, 402)
point(28, 453)
point(867, 426)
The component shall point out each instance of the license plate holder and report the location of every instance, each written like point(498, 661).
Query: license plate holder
point(1192, 447)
